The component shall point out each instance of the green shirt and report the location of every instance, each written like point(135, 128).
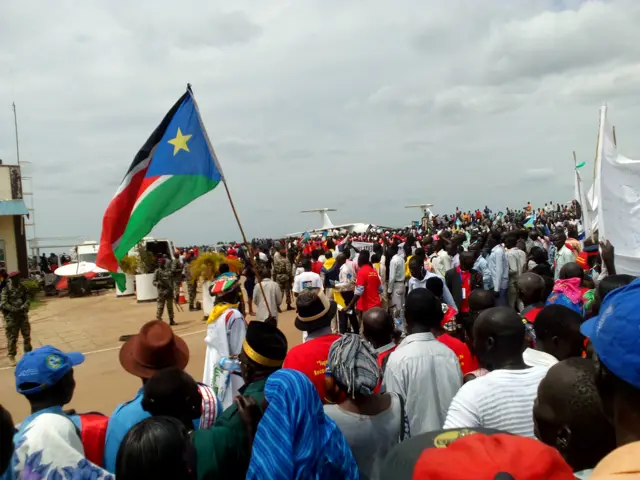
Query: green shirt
point(222, 449)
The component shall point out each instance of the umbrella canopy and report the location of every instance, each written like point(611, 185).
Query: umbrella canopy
point(78, 269)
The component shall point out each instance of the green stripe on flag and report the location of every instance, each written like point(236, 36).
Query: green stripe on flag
point(167, 198)
point(581, 164)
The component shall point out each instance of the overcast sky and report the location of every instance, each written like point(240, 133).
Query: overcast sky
point(361, 106)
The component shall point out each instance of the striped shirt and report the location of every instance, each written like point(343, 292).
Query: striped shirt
point(502, 399)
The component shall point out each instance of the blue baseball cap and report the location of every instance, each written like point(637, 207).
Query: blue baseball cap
point(615, 333)
point(44, 367)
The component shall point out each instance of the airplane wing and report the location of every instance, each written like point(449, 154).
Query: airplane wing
point(349, 227)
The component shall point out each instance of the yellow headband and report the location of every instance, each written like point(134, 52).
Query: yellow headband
point(260, 359)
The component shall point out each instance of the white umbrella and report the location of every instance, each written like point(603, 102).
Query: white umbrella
point(78, 269)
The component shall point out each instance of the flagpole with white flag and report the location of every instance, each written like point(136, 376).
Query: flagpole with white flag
point(580, 197)
point(597, 170)
point(618, 191)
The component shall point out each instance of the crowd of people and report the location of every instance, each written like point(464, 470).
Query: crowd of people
point(478, 345)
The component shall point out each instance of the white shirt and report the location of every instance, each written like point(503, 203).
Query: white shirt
point(427, 374)
point(563, 257)
point(536, 358)
point(306, 281)
point(498, 268)
point(396, 271)
point(502, 399)
point(273, 292)
point(441, 262)
point(455, 261)
point(517, 260)
point(446, 294)
point(346, 279)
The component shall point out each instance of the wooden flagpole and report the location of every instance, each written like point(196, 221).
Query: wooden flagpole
point(233, 207)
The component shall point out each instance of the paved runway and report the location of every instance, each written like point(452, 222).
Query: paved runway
point(93, 326)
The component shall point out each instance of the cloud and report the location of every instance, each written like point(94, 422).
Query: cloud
point(364, 108)
point(220, 30)
point(552, 42)
point(539, 173)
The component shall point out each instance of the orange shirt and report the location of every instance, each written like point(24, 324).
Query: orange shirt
point(310, 358)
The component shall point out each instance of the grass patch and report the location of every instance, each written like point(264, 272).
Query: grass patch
point(35, 303)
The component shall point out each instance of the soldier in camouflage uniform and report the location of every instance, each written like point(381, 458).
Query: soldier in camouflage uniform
point(177, 279)
point(14, 304)
point(163, 280)
point(281, 273)
point(192, 284)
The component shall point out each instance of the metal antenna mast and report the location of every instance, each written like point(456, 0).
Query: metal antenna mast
point(26, 192)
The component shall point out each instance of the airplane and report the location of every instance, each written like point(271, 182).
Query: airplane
point(425, 207)
point(327, 224)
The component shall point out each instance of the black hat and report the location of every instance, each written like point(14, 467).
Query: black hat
point(314, 310)
point(265, 344)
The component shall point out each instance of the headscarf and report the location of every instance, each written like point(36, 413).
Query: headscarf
point(295, 439)
point(567, 292)
point(50, 447)
point(569, 287)
point(352, 363)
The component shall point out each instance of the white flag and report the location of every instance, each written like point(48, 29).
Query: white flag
point(618, 194)
point(581, 196)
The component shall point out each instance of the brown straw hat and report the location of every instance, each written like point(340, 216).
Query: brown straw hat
point(155, 347)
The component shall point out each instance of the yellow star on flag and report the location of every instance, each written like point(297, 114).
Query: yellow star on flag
point(180, 142)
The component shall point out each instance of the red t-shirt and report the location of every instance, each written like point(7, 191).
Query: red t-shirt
point(316, 267)
point(310, 358)
point(368, 278)
point(468, 363)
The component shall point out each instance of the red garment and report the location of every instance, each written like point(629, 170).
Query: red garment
point(93, 433)
point(465, 278)
point(468, 362)
point(381, 359)
point(448, 320)
point(316, 267)
point(383, 355)
point(368, 278)
point(531, 315)
point(310, 358)
point(195, 251)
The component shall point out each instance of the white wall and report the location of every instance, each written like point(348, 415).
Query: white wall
point(7, 234)
point(5, 182)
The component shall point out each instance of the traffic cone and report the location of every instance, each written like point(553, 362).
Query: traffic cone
point(181, 299)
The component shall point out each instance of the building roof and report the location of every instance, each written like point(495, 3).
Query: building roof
point(13, 207)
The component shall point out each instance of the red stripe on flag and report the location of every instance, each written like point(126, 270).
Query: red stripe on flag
point(146, 183)
point(117, 216)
